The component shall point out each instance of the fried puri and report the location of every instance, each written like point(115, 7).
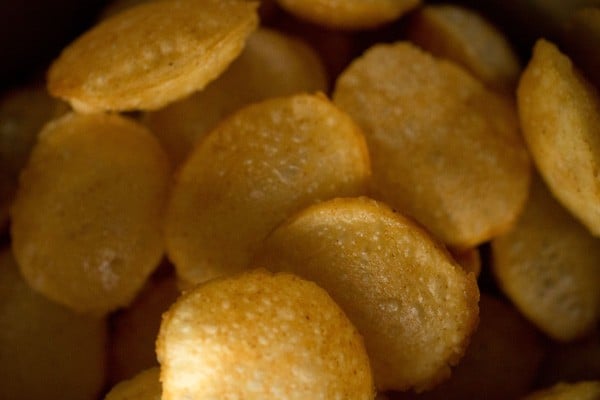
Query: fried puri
point(349, 14)
point(415, 307)
point(463, 36)
point(261, 336)
point(152, 54)
point(88, 214)
point(548, 265)
point(255, 169)
point(444, 149)
point(560, 118)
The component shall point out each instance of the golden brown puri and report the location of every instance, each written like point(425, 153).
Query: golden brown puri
point(272, 64)
point(444, 149)
point(151, 54)
point(560, 118)
point(88, 216)
point(253, 171)
point(415, 307)
point(463, 36)
point(548, 265)
point(261, 336)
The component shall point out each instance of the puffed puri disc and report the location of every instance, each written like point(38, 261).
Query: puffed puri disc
point(151, 54)
point(261, 336)
point(87, 217)
point(415, 307)
point(444, 149)
point(560, 118)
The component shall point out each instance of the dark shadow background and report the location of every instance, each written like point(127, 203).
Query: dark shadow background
point(32, 33)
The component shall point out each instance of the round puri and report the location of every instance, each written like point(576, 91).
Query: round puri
point(444, 150)
point(143, 386)
point(261, 336)
point(560, 118)
point(463, 36)
point(151, 54)
point(415, 307)
point(349, 14)
point(254, 170)
point(272, 64)
point(548, 265)
point(87, 219)
point(46, 350)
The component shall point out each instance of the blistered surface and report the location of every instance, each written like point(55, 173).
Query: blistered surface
point(261, 336)
point(560, 118)
point(414, 306)
point(87, 219)
point(152, 54)
point(548, 266)
point(444, 150)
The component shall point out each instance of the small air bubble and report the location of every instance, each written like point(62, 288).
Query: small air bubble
point(389, 306)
